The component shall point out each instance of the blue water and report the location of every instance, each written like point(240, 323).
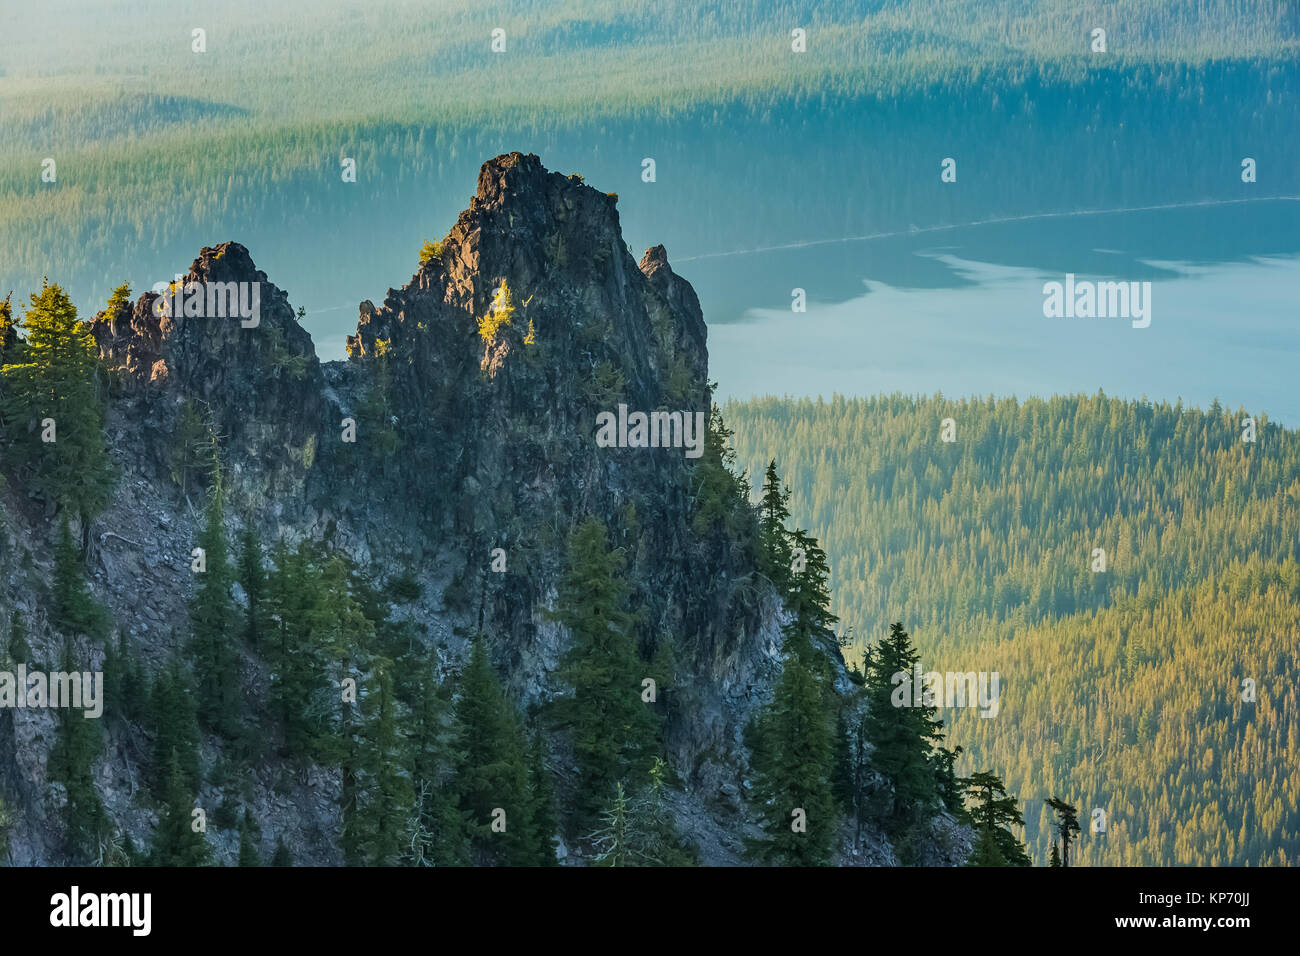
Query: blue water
point(961, 312)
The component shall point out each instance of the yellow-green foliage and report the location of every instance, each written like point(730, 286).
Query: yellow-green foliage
point(431, 250)
point(499, 313)
point(1122, 690)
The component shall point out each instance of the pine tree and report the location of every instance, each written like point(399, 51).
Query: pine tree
point(73, 611)
point(793, 756)
point(175, 841)
point(542, 804)
point(774, 539)
point(611, 839)
point(77, 744)
point(252, 578)
point(8, 331)
point(175, 727)
point(19, 651)
point(249, 835)
point(374, 832)
point(903, 735)
point(121, 296)
point(1067, 823)
point(796, 753)
point(298, 619)
point(283, 856)
point(491, 770)
point(993, 813)
point(439, 830)
point(1056, 855)
point(215, 626)
point(52, 376)
point(612, 730)
point(655, 839)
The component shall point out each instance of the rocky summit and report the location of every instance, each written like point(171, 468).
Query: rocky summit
point(455, 448)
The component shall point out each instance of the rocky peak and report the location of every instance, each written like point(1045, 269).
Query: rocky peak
point(225, 340)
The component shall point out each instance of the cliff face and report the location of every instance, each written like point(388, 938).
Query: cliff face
point(474, 412)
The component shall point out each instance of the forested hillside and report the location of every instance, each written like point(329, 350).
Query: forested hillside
point(246, 138)
point(1122, 689)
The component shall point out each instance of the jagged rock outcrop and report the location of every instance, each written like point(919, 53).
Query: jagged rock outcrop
point(470, 435)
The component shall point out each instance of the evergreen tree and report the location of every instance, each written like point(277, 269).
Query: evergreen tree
point(8, 331)
point(611, 839)
point(214, 622)
point(1056, 855)
point(175, 841)
point(19, 651)
point(252, 578)
point(542, 800)
point(612, 730)
point(492, 772)
point(121, 296)
point(52, 375)
point(793, 756)
point(374, 834)
point(297, 618)
point(249, 835)
point(774, 539)
point(796, 753)
point(175, 728)
point(994, 811)
point(1067, 823)
point(283, 856)
point(77, 744)
point(655, 840)
point(439, 830)
point(903, 734)
point(73, 611)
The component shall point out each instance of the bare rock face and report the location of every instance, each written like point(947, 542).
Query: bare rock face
point(475, 391)
point(225, 341)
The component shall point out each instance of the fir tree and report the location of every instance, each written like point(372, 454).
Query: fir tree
point(796, 754)
point(903, 734)
point(492, 772)
point(77, 744)
point(252, 578)
point(175, 841)
point(542, 801)
point(214, 622)
point(994, 811)
point(612, 730)
point(611, 839)
point(374, 834)
point(774, 539)
point(439, 830)
point(283, 856)
point(8, 331)
point(175, 728)
point(52, 376)
point(793, 755)
point(249, 835)
point(1056, 855)
point(121, 296)
point(19, 651)
point(73, 611)
point(1067, 823)
point(655, 840)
